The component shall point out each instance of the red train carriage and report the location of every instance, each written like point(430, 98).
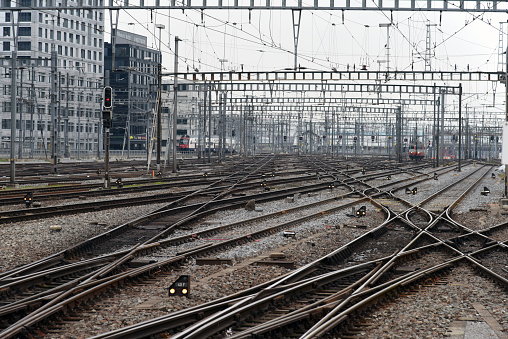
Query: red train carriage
point(416, 151)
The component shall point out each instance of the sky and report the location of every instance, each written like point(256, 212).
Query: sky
point(262, 40)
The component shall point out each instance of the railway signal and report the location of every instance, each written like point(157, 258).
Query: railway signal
point(181, 287)
point(354, 139)
point(361, 212)
point(285, 138)
point(108, 98)
point(340, 136)
point(29, 199)
point(372, 137)
point(119, 183)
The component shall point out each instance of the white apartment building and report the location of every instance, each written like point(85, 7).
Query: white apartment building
point(77, 38)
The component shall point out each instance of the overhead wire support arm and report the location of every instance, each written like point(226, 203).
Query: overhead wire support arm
point(476, 6)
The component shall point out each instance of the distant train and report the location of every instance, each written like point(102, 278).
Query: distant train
point(191, 144)
point(416, 151)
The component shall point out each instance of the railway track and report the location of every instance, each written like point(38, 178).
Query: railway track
point(378, 276)
point(319, 283)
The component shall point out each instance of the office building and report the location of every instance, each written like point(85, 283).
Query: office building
point(134, 82)
point(59, 74)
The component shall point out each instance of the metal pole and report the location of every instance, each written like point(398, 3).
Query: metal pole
point(434, 130)
point(106, 175)
point(13, 117)
point(460, 124)
point(175, 103)
point(66, 122)
point(53, 107)
point(20, 143)
point(442, 131)
point(209, 123)
point(506, 123)
point(159, 114)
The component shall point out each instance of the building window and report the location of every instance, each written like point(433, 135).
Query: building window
point(71, 37)
point(6, 3)
point(89, 55)
point(59, 36)
point(40, 46)
point(72, 51)
point(7, 46)
point(83, 26)
point(7, 17)
point(66, 23)
point(40, 32)
point(46, 48)
point(25, 17)
point(24, 31)
point(82, 54)
point(7, 31)
point(25, 3)
point(24, 45)
point(40, 16)
point(6, 123)
point(77, 38)
point(6, 107)
point(59, 50)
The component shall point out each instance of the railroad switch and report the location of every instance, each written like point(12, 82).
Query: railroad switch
point(435, 176)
